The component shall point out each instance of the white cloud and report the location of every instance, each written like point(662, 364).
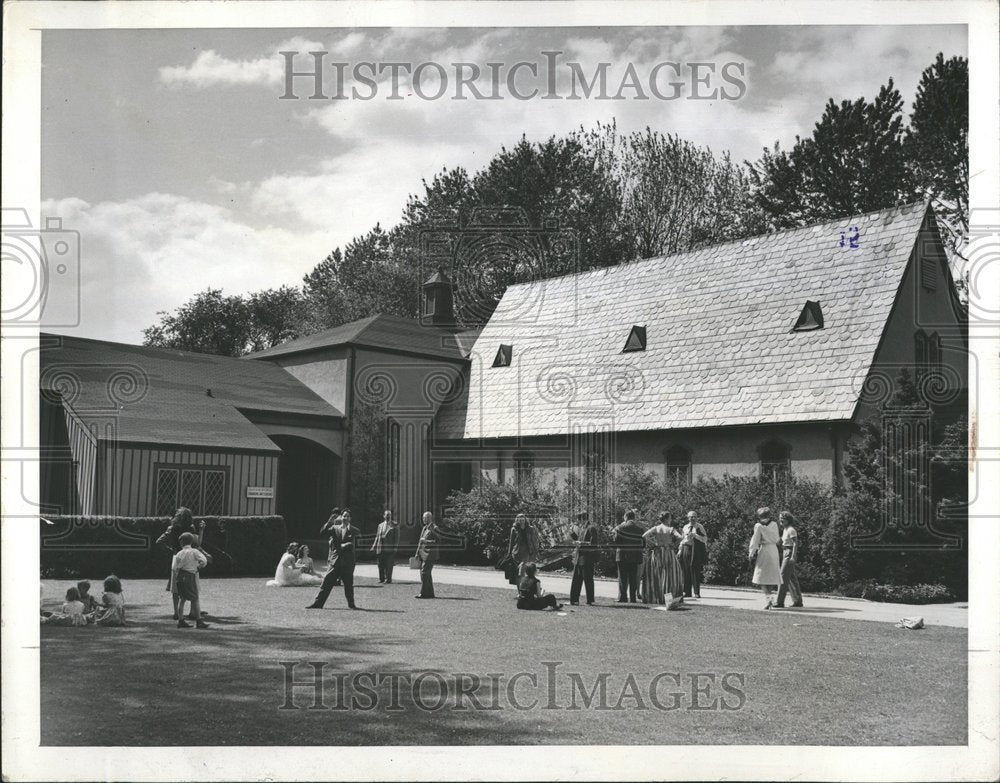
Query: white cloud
point(211, 69)
point(154, 252)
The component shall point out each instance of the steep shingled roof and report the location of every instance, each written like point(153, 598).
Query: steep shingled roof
point(169, 402)
point(388, 332)
point(720, 346)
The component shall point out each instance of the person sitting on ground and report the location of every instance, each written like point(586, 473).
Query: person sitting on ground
point(112, 609)
point(288, 572)
point(303, 562)
point(90, 604)
point(71, 613)
point(530, 594)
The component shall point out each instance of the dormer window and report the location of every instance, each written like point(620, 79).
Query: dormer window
point(810, 318)
point(504, 355)
point(636, 340)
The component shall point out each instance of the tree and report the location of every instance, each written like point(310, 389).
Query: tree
point(210, 322)
point(854, 162)
point(207, 323)
point(937, 144)
point(675, 196)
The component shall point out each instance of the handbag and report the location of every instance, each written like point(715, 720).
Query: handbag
point(415, 563)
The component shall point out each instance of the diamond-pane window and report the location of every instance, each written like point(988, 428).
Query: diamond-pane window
point(166, 492)
point(215, 493)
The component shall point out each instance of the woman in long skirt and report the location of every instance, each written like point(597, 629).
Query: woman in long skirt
point(764, 553)
point(662, 577)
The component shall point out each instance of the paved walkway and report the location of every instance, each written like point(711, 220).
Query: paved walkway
point(955, 615)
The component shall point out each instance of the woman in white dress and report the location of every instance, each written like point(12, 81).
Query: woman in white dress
point(764, 548)
point(288, 574)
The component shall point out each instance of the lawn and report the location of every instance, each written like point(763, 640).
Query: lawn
point(702, 676)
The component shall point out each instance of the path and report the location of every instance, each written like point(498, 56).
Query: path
point(955, 615)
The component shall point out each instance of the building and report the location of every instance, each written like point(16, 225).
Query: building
point(137, 431)
point(753, 357)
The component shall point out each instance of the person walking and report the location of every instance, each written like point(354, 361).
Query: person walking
point(790, 557)
point(523, 545)
point(343, 544)
point(627, 538)
point(427, 553)
point(585, 549)
point(662, 577)
point(764, 554)
point(693, 553)
point(384, 547)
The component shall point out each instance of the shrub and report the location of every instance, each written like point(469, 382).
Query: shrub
point(897, 594)
point(74, 546)
point(477, 524)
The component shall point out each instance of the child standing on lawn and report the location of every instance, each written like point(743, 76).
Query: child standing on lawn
point(112, 608)
point(184, 581)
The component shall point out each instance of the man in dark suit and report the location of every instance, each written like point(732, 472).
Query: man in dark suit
point(332, 521)
point(427, 552)
point(384, 547)
point(343, 542)
point(584, 554)
point(627, 538)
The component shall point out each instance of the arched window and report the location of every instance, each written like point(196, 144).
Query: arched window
point(677, 466)
point(775, 460)
point(934, 351)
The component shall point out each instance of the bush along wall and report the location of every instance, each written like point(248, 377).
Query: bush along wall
point(93, 547)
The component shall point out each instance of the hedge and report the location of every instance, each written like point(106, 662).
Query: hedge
point(93, 547)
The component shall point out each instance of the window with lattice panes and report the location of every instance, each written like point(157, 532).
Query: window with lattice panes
point(202, 489)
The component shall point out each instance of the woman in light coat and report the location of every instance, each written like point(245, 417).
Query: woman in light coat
point(764, 554)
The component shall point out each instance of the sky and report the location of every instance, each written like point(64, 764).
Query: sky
point(173, 156)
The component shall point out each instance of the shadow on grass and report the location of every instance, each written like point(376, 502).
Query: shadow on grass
point(160, 685)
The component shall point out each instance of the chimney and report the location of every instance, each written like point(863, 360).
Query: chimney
point(438, 306)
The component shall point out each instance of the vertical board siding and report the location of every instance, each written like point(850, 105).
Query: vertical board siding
point(83, 447)
point(131, 480)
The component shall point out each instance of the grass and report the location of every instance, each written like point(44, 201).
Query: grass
point(806, 680)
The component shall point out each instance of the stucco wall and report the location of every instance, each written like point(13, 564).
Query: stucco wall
point(325, 372)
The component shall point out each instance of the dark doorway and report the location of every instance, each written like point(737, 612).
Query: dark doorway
point(307, 485)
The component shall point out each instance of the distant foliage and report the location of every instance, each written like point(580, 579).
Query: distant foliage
point(210, 322)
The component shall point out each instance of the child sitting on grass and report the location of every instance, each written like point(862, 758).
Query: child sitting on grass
point(90, 604)
point(184, 581)
point(71, 613)
point(112, 608)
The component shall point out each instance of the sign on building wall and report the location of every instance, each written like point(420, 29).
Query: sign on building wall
point(260, 492)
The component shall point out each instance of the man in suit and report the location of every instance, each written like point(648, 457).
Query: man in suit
point(384, 547)
point(343, 542)
point(584, 554)
point(332, 521)
point(627, 538)
point(427, 551)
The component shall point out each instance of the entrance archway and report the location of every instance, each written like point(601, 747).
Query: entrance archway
point(307, 485)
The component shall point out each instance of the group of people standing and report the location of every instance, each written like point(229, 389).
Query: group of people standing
point(343, 542)
point(660, 564)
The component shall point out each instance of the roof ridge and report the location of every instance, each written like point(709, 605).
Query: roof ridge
point(705, 248)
